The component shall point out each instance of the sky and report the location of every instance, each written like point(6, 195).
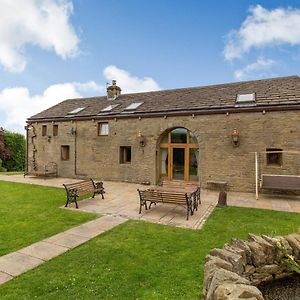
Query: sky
point(52, 50)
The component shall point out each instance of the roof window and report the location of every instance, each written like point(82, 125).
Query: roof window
point(109, 107)
point(245, 100)
point(76, 111)
point(134, 105)
point(245, 97)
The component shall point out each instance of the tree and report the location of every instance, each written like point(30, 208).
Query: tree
point(12, 150)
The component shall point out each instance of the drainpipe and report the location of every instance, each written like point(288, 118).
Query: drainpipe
point(75, 149)
point(26, 155)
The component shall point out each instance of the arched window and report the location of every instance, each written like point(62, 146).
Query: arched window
point(178, 155)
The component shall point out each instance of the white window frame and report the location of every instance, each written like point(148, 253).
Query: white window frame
point(103, 128)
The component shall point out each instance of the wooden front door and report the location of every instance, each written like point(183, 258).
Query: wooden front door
point(178, 156)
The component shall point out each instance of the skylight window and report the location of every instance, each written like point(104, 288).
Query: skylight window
point(109, 107)
point(76, 111)
point(134, 105)
point(241, 98)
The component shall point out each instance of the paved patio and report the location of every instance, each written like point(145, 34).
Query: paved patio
point(121, 199)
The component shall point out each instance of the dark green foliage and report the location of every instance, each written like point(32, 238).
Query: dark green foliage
point(16, 143)
point(2, 169)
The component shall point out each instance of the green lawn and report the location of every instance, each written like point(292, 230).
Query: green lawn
point(30, 213)
point(139, 260)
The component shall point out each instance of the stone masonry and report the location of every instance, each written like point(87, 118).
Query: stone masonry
point(234, 271)
point(98, 156)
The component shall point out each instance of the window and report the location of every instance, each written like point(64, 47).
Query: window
point(44, 130)
point(103, 128)
point(109, 107)
point(55, 130)
point(274, 156)
point(65, 152)
point(134, 105)
point(76, 110)
point(245, 100)
point(125, 155)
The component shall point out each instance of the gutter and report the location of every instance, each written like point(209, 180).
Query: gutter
point(155, 114)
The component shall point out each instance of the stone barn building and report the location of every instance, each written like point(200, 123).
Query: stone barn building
point(207, 134)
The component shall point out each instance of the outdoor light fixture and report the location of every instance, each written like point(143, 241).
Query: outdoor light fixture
point(141, 139)
point(73, 131)
point(235, 138)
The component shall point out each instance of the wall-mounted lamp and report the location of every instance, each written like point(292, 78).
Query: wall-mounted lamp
point(49, 138)
point(141, 139)
point(235, 137)
point(73, 131)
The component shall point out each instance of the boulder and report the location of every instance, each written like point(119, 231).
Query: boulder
point(213, 264)
point(294, 242)
point(235, 259)
point(229, 291)
point(222, 276)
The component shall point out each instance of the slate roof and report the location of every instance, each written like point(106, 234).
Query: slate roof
point(283, 91)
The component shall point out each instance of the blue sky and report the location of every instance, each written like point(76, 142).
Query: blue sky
point(56, 49)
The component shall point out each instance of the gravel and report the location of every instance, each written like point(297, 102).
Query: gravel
point(282, 289)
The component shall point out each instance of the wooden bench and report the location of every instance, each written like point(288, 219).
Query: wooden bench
point(190, 200)
point(74, 190)
point(280, 182)
point(50, 169)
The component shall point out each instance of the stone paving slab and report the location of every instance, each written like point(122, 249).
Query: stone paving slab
point(4, 277)
point(16, 263)
point(43, 250)
point(68, 240)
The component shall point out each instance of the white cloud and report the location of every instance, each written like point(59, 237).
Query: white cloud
point(256, 69)
point(263, 28)
point(42, 23)
point(16, 104)
point(129, 83)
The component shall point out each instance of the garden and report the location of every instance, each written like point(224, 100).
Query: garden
point(135, 260)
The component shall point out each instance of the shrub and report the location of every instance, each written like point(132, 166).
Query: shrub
point(15, 142)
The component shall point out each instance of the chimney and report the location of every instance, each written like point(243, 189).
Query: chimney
point(113, 91)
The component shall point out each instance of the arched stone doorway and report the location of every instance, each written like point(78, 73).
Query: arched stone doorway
point(178, 155)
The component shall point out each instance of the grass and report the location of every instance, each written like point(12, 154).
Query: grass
point(139, 260)
point(12, 173)
point(30, 213)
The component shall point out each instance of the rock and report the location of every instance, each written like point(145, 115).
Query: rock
point(269, 269)
point(223, 276)
point(235, 259)
point(257, 255)
point(237, 250)
point(267, 247)
point(249, 270)
point(243, 245)
point(294, 241)
point(213, 264)
point(229, 291)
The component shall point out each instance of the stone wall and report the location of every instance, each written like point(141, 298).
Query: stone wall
point(98, 156)
point(234, 271)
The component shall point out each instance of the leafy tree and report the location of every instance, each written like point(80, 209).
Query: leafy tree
point(13, 151)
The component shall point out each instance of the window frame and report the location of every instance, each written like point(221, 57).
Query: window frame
point(271, 161)
point(44, 130)
point(55, 131)
point(68, 152)
point(99, 127)
point(123, 155)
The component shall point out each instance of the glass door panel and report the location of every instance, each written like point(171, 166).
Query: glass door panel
point(193, 164)
point(178, 160)
point(164, 158)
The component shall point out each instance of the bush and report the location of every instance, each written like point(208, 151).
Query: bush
point(15, 142)
point(2, 169)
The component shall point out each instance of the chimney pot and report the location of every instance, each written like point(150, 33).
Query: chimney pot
point(113, 91)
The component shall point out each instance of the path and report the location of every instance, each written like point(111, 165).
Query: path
point(18, 262)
